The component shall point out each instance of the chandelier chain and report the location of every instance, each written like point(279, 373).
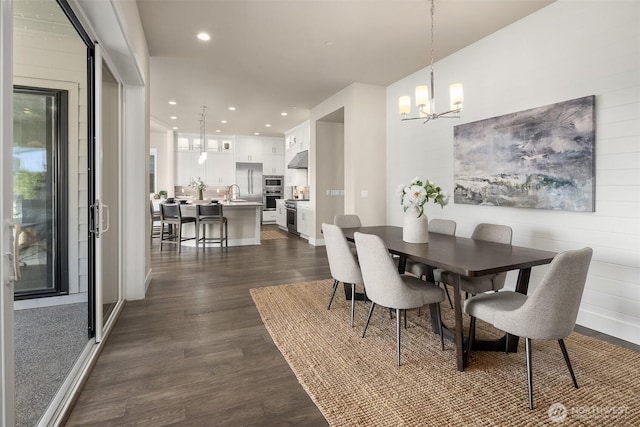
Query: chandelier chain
point(433, 11)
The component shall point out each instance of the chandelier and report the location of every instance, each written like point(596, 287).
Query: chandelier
point(425, 96)
point(203, 149)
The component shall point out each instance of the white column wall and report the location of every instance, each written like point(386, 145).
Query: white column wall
point(567, 50)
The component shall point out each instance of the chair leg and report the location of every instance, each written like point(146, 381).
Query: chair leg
point(179, 238)
point(472, 335)
point(333, 293)
point(440, 328)
point(566, 359)
point(198, 237)
point(446, 290)
point(366, 324)
point(529, 371)
point(353, 302)
point(405, 319)
point(398, 336)
point(161, 235)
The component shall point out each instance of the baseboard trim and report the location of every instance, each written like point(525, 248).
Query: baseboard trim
point(608, 325)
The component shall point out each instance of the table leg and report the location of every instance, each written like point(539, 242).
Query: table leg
point(457, 307)
point(522, 286)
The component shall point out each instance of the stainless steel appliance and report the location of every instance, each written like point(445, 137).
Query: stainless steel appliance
point(249, 179)
point(272, 190)
point(292, 212)
point(273, 181)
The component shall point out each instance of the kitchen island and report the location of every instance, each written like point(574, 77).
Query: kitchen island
point(243, 219)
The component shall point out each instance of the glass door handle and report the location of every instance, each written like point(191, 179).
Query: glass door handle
point(105, 217)
point(14, 255)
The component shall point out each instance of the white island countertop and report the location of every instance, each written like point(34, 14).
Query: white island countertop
point(244, 219)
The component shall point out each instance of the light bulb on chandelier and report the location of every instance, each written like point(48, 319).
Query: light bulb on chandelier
point(425, 95)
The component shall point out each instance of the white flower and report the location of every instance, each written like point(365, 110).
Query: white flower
point(419, 192)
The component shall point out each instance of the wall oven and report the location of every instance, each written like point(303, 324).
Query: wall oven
point(269, 200)
point(272, 190)
point(272, 181)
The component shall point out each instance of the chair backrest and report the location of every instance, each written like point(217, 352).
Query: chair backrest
point(169, 212)
point(210, 211)
point(342, 263)
point(551, 310)
point(493, 233)
point(381, 278)
point(347, 221)
point(442, 226)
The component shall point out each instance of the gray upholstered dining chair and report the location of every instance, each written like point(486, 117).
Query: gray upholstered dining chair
point(549, 313)
point(342, 263)
point(171, 216)
point(347, 221)
point(418, 269)
point(386, 287)
point(492, 282)
point(211, 214)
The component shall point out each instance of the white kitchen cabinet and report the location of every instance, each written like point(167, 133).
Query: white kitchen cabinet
point(268, 217)
point(273, 146)
point(273, 156)
point(187, 167)
point(273, 164)
point(281, 213)
point(303, 219)
point(220, 169)
point(296, 177)
point(248, 149)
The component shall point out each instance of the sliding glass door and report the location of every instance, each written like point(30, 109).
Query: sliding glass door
point(39, 196)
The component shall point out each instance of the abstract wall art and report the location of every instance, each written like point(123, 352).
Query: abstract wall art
point(539, 158)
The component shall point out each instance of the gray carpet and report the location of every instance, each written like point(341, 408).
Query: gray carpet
point(48, 342)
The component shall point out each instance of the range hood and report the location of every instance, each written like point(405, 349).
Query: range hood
point(300, 161)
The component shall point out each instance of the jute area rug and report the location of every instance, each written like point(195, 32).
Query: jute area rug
point(272, 235)
point(355, 381)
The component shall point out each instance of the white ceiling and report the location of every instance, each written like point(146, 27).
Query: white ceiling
point(266, 57)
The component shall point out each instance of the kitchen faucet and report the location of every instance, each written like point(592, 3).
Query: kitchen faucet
point(230, 191)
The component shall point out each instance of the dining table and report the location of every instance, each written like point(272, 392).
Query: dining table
point(458, 257)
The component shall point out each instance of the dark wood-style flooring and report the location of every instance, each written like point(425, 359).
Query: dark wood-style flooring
point(195, 351)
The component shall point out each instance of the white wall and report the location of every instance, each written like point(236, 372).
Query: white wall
point(363, 161)
point(165, 160)
point(567, 50)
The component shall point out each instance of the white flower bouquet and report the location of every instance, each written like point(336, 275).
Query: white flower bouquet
point(198, 184)
point(419, 192)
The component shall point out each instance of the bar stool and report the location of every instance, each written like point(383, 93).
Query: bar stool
point(155, 218)
point(171, 215)
point(210, 214)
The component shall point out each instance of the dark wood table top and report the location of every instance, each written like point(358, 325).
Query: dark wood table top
point(464, 256)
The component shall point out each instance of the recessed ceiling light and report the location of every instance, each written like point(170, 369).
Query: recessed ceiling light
point(175, 128)
point(173, 118)
point(217, 130)
point(267, 125)
point(204, 36)
point(172, 102)
point(328, 43)
point(256, 133)
point(223, 121)
point(232, 108)
point(284, 113)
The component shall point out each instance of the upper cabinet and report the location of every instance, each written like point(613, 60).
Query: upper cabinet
point(273, 157)
point(297, 139)
point(248, 149)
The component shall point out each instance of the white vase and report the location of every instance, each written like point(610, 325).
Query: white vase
point(414, 229)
